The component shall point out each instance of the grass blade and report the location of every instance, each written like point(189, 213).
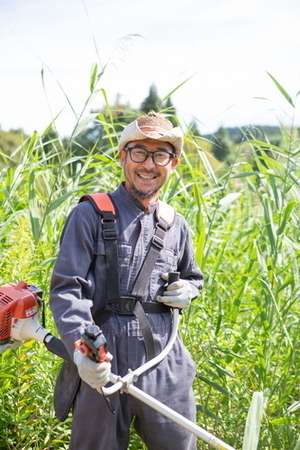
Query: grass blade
point(253, 422)
point(282, 90)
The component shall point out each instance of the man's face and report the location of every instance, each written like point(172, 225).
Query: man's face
point(144, 179)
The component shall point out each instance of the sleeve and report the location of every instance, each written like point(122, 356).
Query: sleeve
point(187, 265)
point(70, 290)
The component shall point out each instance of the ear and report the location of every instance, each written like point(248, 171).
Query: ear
point(175, 161)
point(122, 156)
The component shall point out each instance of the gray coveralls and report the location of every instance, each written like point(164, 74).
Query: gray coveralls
point(78, 289)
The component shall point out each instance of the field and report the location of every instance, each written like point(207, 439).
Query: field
point(243, 331)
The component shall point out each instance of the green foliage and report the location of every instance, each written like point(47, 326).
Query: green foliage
point(242, 331)
point(27, 420)
point(10, 141)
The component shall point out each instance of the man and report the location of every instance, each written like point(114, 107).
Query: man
point(149, 150)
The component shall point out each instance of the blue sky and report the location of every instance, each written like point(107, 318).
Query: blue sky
point(225, 47)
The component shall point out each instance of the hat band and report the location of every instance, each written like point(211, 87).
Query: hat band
point(148, 129)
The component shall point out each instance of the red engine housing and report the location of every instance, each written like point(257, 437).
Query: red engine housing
point(16, 301)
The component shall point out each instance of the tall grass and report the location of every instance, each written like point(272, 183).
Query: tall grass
point(242, 331)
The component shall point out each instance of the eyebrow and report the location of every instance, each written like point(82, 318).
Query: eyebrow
point(143, 147)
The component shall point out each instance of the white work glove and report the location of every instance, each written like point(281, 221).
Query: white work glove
point(93, 373)
point(177, 295)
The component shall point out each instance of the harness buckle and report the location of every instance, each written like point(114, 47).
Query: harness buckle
point(109, 234)
point(157, 242)
point(123, 305)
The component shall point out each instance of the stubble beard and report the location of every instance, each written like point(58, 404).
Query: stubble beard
point(140, 195)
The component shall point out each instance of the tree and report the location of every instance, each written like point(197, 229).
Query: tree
point(152, 101)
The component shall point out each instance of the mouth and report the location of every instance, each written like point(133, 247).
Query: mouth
point(146, 176)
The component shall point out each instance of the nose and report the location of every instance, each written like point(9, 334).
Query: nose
point(149, 161)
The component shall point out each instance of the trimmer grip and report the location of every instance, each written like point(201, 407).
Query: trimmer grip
point(93, 344)
point(173, 276)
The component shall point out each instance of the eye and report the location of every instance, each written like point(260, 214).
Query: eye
point(161, 155)
point(139, 152)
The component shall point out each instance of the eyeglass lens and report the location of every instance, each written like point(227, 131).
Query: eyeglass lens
point(160, 157)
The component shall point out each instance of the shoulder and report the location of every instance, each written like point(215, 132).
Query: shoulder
point(181, 229)
point(171, 215)
point(85, 209)
point(166, 212)
point(83, 215)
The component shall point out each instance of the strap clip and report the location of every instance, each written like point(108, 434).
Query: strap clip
point(158, 242)
point(109, 234)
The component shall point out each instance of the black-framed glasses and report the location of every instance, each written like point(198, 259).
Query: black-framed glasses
point(159, 157)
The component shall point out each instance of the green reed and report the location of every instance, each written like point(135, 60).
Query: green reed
point(243, 329)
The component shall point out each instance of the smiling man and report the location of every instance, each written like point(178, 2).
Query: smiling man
point(136, 325)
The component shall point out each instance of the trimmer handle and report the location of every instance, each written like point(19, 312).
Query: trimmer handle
point(93, 344)
point(173, 276)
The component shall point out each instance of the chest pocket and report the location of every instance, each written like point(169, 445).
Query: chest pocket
point(167, 260)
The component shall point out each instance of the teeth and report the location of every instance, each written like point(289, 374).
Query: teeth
point(147, 177)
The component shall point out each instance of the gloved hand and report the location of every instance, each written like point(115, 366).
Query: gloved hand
point(93, 373)
point(177, 295)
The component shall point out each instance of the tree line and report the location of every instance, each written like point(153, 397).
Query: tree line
point(221, 143)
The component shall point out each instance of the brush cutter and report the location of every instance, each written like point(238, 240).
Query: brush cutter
point(19, 310)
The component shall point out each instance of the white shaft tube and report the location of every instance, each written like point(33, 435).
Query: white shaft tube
point(157, 359)
point(126, 385)
point(120, 382)
point(173, 415)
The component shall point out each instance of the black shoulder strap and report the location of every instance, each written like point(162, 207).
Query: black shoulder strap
point(105, 207)
point(156, 246)
point(139, 286)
